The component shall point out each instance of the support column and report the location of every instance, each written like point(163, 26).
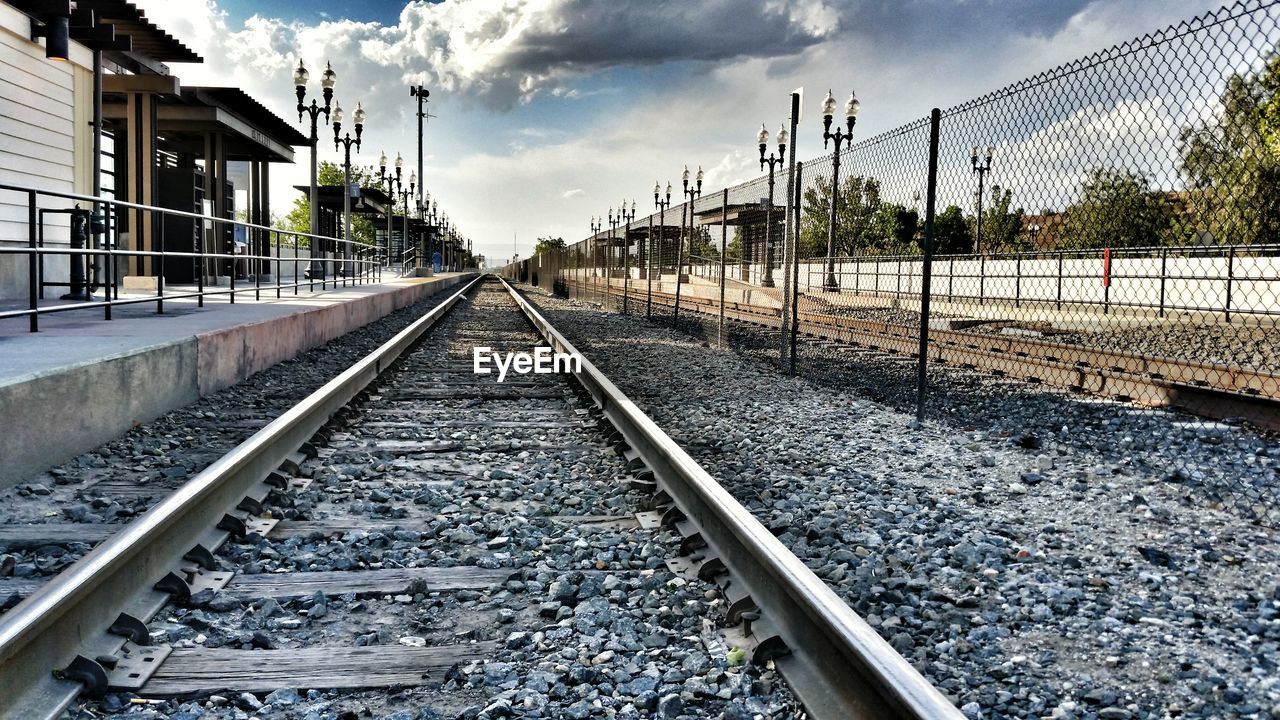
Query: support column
point(207, 242)
point(140, 131)
point(221, 231)
point(264, 211)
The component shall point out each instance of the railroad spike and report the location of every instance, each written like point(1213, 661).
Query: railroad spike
point(250, 505)
point(175, 586)
point(234, 525)
point(201, 556)
point(130, 627)
point(89, 674)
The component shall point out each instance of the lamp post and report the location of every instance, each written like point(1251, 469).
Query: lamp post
point(980, 169)
point(772, 160)
point(597, 224)
point(327, 80)
point(405, 195)
point(625, 218)
point(614, 221)
point(346, 141)
point(691, 194)
point(661, 206)
point(388, 182)
point(851, 109)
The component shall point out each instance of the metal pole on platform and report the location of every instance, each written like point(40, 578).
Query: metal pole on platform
point(790, 243)
point(927, 271)
point(327, 81)
point(724, 245)
point(793, 210)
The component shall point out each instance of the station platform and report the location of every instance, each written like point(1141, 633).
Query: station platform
point(82, 380)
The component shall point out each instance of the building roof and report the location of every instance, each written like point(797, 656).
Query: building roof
point(243, 104)
point(150, 44)
point(148, 39)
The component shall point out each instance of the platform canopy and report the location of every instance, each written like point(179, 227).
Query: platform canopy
point(186, 119)
point(741, 214)
point(371, 201)
point(121, 30)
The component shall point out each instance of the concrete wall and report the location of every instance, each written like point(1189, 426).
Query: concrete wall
point(1175, 283)
point(57, 415)
point(1209, 284)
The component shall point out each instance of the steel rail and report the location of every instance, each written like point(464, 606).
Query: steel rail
point(1216, 391)
point(837, 665)
point(69, 615)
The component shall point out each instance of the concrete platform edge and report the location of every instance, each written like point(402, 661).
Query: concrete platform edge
point(52, 417)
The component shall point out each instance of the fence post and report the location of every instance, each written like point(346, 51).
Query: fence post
point(1231, 270)
point(675, 313)
point(626, 267)
point(1164, 275)
point(790, 245)
point(33, 279)
point(109, 284)
point(1017, 281)
point(794, 210)
point(922, 363)
point(1061, 255)
point(279, 266)
point(982, 279)
point(160, 265)
point(648, 293)
point(724, 246)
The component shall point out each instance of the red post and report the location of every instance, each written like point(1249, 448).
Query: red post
point(1106, 267)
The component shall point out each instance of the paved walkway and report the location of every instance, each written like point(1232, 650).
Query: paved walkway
point(82, 337)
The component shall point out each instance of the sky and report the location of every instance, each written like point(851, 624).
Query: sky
point(547, 112)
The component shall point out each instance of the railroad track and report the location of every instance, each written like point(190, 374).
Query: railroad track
point(1216, 391)
point(394, 529)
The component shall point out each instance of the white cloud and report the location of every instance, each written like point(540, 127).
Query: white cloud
point(546, 174)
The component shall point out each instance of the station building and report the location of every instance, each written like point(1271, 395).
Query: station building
point(196, 149)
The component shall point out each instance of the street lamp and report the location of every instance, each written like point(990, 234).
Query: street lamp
point(981, 170)
point(661, 206)
point(346, 141)
point(405, 195)
point(625, 218)
point(691, 193)
point(851, 108)
point(772, 160)
point(393, 182)
point(300, 77)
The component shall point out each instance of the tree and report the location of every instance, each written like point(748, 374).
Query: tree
point(1001, 227)
point(1117, 208)
point(298, 219)
point(1232, 162)
point(893, 229)
point(951, 234)
point(859, 201)
point(549, 244)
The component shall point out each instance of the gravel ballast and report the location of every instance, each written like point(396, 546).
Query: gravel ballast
point(123, 478)
point(1034, 555)
point(588, 623)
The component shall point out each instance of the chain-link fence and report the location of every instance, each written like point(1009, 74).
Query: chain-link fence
point(1107, 231)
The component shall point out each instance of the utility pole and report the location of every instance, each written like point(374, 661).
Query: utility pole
point(422, 94)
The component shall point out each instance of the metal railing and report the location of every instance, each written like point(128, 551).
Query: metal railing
point(96, 259)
